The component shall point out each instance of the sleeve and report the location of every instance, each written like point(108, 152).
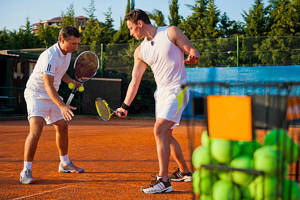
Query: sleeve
point(49, 66)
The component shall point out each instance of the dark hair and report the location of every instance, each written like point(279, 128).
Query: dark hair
point(136, 15)
point(68, 31)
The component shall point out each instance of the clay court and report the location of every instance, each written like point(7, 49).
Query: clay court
point(118, 156)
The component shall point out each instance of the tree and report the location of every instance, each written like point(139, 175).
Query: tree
point(256, 20)
point(174, 19)
point(228, 28)
point(90, 11)
point(69, 19)
point(194, 26)
point(158, 17)
point(212, 20)
point(123, 35)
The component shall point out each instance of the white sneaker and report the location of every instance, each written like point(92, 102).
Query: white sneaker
point(26, 177)
point(157, 186)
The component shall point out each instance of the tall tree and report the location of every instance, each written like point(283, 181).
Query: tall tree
point(194, 26)
point(123, 35)
point(68, 18)
point(158, 17)
point(212, 20)
point(256, 20)
point(228, 28)
point(174, 18)
point(284, 17)
point(90, 11)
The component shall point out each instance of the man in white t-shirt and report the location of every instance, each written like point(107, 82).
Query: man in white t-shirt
point(45, 106)
point(163, 50)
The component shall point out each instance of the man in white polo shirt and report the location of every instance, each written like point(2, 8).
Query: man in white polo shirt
point(44, 105)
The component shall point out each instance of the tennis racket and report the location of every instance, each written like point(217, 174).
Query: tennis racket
point(86, 66)
point(103, 109)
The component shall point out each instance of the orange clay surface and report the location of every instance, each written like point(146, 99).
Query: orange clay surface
point(118, 156)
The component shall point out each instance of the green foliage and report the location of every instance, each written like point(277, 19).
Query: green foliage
point(69, 17)
point(174, 19)
point(158, 17)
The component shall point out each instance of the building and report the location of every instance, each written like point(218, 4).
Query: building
point(56, 21)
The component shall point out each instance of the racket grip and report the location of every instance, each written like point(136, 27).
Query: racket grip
point(70, 99)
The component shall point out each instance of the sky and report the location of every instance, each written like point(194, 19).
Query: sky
point(13, 13)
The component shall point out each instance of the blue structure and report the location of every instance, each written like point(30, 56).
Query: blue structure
point(244, 75)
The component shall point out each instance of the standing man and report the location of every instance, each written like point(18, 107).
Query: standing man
point(163, 50)
point(44, 105)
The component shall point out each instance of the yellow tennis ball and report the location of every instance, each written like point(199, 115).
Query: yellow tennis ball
point(71, 85)
point(81, 88)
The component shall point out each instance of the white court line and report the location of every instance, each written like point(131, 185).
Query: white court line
point(40, 193)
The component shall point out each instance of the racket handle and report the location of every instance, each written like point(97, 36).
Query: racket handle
point(70, 99)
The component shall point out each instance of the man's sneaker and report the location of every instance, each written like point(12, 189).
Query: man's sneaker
point(26, 177)
point(157, 186)
point(179, 176)
point(69, 168)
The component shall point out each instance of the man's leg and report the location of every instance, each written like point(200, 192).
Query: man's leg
point(36, 125)
point(162, 130)
point(177, 154)
point(62, 143)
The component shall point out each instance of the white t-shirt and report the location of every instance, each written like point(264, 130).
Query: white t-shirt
point(52, 62)
point(165, 59)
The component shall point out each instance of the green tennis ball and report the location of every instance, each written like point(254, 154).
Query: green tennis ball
point(263, 187)
point(291, 190)
point(71, 85)
point(80, 88)
point(224, 190)
point(206, 197)
point(205, 140)
point(225, 175)
point(266, 160)
point(284, 143)
point(201, 156)
point(224, 150)
point(242, 162)
point(248, 148)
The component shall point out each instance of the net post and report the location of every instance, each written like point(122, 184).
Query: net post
point(101, 60)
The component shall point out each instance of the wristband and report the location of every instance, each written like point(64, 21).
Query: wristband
point(124, 106)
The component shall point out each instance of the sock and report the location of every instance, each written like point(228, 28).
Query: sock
point(27, 165)
point(65, 159)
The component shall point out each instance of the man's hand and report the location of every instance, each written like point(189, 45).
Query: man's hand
point(66, 112)
point(122, 113)
point(191, 60)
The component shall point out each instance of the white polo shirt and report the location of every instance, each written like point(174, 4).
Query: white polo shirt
point(52, 62)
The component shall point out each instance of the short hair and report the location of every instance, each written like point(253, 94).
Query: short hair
point(136, 15)
point(68, 31)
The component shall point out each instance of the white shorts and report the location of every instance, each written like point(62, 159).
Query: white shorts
point(170, 103)
point(42, 107)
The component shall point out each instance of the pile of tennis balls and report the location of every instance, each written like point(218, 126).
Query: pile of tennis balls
point(272, 157)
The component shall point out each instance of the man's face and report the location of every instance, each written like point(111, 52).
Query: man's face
point(69, 44)
point(135, 29)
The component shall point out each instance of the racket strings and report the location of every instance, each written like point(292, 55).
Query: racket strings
point(86, 65)
point(103, 110)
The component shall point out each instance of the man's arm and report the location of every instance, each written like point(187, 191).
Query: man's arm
point(179, 39)
point(49, 87)
point(137, 73)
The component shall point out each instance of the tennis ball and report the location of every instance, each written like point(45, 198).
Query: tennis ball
point(80, 88)
point(284, 143)
point(224, 150)
point(201, 156)
point(263, 187)
point(203, 185)
point(266, 159)
point(71, 85)
point(248, 148)
point(242, 162)
point(291, 190)
point(205, 140)
point(223, 190)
